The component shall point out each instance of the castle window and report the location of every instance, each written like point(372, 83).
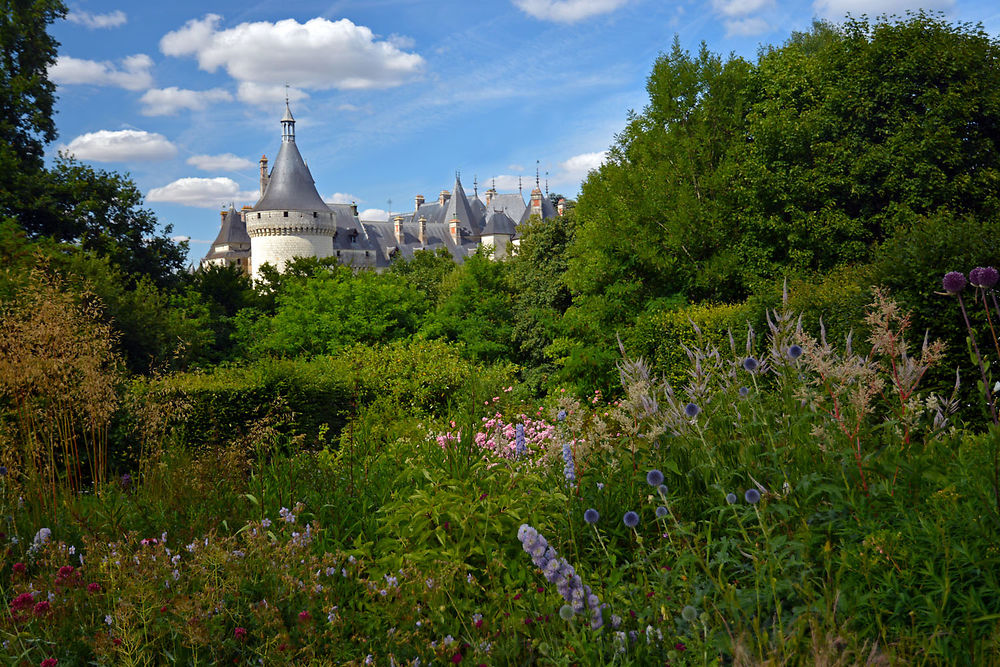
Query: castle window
point(258, 216)
point(315, 214)
point(285, 214)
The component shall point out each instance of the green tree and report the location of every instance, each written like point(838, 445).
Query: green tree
point(476, 309)
point(425, 270)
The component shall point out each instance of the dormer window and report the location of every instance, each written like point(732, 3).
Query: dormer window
point(315, 214)
point(285, 214)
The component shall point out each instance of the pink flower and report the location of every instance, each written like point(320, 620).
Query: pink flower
point(49, 662)
point(22, 601)
point(20, 568)
point(457, 658)
point(42, 608)
point(240, 633)
point(93, 588)
point(304, 616)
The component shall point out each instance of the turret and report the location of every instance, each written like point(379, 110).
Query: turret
point(287, 125)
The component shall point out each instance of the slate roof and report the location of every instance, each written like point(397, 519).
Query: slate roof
point(499, 223)
point(383, 237)
point(510, 203)
point(458, 208)
point(290, 186)
point(233, 230)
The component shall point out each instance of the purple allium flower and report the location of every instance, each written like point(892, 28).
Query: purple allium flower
point(794, 352)
point(662, 490)
point(561, 416)
point(631, 519)
point(591, 516)
point(654, 477)
point(731, 498)
point(983, 276)
point(744, 392)
point(661, 512)
point(691, 410)
point(750, 364)
point(752, 496)
point(689, 613)
point(520, 449)
point(953, 282)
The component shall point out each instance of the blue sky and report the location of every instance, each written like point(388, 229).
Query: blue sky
point(391, 97)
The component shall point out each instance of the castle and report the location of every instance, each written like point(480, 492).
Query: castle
point(291, 220)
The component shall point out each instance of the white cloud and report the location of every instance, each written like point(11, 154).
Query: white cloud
point(515, 167)
point(168, 101)
point(740, 7)
point(132, 75)
point(747, 27)
point(837, 9)
point(505, 182)
point(109, 20)
point(120, 146)
point(342, 198)
point(575, 169)
point(267, 95)
point(202, 192)
point(374, 214)
point(567, 11)
point(318, 54)
point(224, 162)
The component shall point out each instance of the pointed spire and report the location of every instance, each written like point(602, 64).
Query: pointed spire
point(287, 122)
point(475, 185)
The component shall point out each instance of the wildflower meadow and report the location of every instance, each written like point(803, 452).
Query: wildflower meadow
point(802, 498)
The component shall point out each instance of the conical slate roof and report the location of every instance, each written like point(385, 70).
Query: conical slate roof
point(234, 229)
point(290, 186)
point(458, 207)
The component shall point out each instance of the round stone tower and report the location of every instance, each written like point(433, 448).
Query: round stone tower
point(291, 219)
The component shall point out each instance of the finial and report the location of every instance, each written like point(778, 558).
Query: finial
point(546, 182)
point(537, 162)
point(519, 189)
point(286, 92)
point(493, 183)
point(475, 185)
point(389, 202)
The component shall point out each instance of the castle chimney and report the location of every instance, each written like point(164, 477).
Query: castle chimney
point(536, 202)
point(398, 226)
point(422, 229)
point(453, 228)
point(444, 197)
point(354, 209)
point(418, 202)
point(223, 214)
point(263, 174)
point(561, 208)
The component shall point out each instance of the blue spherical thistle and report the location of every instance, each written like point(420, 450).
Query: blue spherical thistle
point(752, 496)
point(631, 519)
point(750, 364)
point(731, 498)
point(661, 512)
point(3, 471)
point(953, 282)
point(794, 352)
point(691, 410)
point(654, 477)
point(561, 416)
point(566, 612)
point(662, 490)
point(591, 516)
point(689, 613)
point(744, 392)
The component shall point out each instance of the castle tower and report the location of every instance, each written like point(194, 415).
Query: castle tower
point(290, 219)
point(232, 244)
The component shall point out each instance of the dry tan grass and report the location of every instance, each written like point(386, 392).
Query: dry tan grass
point(58, 376)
